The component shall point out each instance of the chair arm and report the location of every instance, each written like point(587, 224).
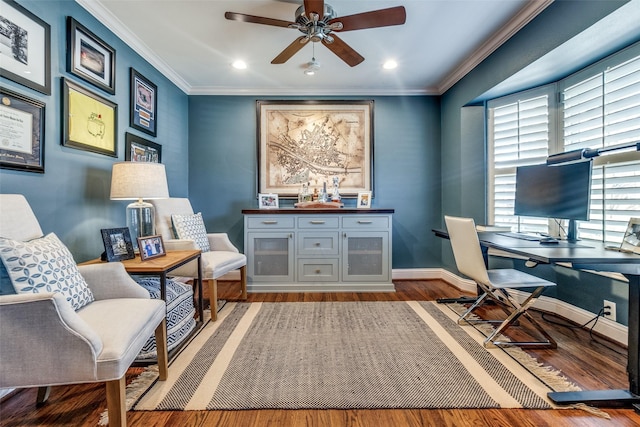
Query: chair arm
point(111, 280)
point(179, 245)
point(43, 341)
point(221, 242)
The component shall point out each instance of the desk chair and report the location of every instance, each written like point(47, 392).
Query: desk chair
point(495, 285)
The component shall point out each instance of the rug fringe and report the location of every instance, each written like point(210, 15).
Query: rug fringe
point(552, 377)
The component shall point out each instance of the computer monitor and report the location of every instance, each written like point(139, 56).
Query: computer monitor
point(560, 192)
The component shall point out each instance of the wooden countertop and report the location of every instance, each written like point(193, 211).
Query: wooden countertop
point(313, 211)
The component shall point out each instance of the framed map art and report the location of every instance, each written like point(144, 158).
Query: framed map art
point(311, 142)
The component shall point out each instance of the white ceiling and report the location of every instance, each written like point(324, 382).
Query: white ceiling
point(192, 44)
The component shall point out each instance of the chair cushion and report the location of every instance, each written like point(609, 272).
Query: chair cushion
point(191, 227)
point(44, 265)
point(218, 263)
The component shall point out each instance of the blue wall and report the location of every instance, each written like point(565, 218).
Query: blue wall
point(72, 197)
point(222, 169)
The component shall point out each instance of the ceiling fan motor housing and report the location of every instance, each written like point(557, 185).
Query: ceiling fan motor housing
point(316, 30)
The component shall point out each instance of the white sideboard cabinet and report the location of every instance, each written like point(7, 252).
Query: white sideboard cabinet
point(323, 250)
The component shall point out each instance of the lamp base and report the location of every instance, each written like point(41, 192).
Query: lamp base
point(140, 221)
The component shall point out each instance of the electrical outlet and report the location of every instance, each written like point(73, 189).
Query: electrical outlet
point(611, 310)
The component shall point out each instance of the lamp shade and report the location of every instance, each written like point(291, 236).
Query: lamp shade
point(138, 180)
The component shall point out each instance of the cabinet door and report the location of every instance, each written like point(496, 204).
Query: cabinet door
point(365, 256)
point(270, 257)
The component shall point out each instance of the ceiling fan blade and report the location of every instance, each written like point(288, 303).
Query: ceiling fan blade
point(257, 19)
point(314, 6)
point(290, 50)
point(344, 51)
point(377, 18)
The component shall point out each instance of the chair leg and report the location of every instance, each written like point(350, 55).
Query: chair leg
point(161, 349)
point(243, 282)
point(43, 395)
point(213, 297)
point(116, 403)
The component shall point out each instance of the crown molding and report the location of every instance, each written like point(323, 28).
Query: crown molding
point(533, 8)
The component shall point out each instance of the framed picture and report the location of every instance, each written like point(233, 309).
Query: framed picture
point(364, 199)
point(117, 244)
point(141, 150)
point(22, 132)
point(25, 47)
point(89, 57)
point(312, 142)
point(89, 120)
point(151, 247)
point(631, 239)
point(144, 103)
point(268, 201)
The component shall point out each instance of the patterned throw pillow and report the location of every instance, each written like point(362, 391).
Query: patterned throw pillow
point(44, 265)
point(191, 227)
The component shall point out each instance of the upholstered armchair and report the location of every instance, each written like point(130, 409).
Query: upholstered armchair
point(181, 229)
point(66, 324)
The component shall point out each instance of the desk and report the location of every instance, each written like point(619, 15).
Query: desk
point(585, 255)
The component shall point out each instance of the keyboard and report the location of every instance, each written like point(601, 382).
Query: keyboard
point(521, 236)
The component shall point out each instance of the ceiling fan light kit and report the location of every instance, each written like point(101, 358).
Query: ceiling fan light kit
point(318, 22)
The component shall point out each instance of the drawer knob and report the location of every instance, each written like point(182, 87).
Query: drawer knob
point(317, 271)
point(317, 243)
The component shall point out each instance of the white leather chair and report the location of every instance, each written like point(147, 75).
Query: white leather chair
point(222, 258)
point(44, 342)
point(495, 285)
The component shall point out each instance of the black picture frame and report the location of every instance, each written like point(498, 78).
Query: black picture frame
point(28, 62)
point(118, 245)
point(22, 146)
point(89, 57)
point(90, 121)
point(141, 150)
point(151, 247)
point(144, 104)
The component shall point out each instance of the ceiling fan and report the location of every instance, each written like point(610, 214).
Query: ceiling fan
point(319, 23)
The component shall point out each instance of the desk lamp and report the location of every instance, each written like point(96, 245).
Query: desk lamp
point(138, 181)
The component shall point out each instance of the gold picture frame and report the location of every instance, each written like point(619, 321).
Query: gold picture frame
point(90, 121)
point(311, 142)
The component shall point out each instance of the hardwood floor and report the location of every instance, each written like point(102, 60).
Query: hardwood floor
point(590, 364)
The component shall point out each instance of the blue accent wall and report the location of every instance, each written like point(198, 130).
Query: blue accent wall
point(72, 197)
point(406, 168)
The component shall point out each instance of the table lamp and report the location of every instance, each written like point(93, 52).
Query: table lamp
point(138, 181)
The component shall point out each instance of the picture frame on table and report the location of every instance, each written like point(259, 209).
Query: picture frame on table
point(314, 141)
point(22, 120)
point(364, 200)
point(118, 245)
point(151, 247)
point(141, 150)
point(89, 57)
point(144, 104)
point(27, 60)
point(631, 239)
point(268, 201)
point(89, 120)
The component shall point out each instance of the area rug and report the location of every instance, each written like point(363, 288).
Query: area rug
point(347, 355)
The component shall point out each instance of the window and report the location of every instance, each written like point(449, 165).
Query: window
point(599, 108)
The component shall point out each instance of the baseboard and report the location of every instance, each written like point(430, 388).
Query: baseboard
point(613, 330)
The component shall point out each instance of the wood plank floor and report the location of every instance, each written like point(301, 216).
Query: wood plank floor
point(589, 364)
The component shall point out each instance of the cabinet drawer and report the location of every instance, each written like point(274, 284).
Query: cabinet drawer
point(315, 243)
point(365, 222)
point(318, 222)
point(270, 222)
point(317, 270)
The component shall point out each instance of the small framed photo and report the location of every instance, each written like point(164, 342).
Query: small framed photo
point(141, 150)
point(117, 244)
point(364, 199)
point(631, 239)
point(144, 104)
point(268, 201)
point(90, 58)
point(151, 247)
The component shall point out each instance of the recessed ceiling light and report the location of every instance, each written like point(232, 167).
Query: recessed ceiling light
point(390, 65)
point(239, 65)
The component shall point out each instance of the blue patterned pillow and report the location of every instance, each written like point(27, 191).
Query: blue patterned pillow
point(191, 227)
point(44, 265)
